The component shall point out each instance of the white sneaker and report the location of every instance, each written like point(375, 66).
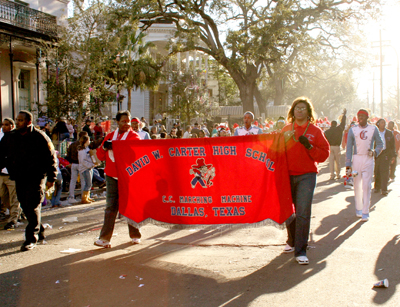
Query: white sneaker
point(302, 260)
point(288, 249)
point(72, 200)
point(135, 241)
point(102, 243)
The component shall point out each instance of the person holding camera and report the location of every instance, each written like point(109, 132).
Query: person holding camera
point(105, 153)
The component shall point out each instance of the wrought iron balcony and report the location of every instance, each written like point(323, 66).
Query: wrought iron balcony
point(21, 16)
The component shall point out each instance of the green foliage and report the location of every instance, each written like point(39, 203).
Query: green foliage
point(98, 53)
point(228, 92)
point(190, 98)
point(261, 37)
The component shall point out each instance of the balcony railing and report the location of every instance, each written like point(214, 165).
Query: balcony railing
point(24, 17)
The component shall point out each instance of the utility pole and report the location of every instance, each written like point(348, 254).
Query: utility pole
point(373, 93)
point(372, 107)
point(374, 45)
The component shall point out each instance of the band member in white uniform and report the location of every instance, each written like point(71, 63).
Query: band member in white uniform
point(248, 128)
point(360, 155)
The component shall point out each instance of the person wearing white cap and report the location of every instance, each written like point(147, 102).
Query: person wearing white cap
point(136, 123)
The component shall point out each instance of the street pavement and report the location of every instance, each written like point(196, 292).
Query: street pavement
point(228, 266)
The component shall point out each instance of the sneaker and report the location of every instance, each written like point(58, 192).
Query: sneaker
point(42, 242)
point(358, 213)
point(28, 247)
point(72, 200)
point(302, 260)
point(102, 243)
point(288, 249)
point(9, 226)
point(135, 241)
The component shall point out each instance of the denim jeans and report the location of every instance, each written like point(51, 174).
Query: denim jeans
point(55, 200)
point(96, 175)
point(111, 211)
point(302, 187)
point(74, 177)
point(86, 180)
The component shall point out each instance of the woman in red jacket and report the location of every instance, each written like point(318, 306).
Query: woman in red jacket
point(306, 146)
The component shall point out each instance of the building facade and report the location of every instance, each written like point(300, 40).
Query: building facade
point(152, 104)
point(24, 26)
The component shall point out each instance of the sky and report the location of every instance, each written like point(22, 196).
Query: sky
point(389, 26)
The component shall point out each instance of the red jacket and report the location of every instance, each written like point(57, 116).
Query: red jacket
point(300, 159)
point(110, 169)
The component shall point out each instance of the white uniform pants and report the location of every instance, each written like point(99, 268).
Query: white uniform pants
point(364, 165)
point(334, 160)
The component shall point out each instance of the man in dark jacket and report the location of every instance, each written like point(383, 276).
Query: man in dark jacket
point(87, 128)
point(383, 161)
point(29, 156)
point(334, 136)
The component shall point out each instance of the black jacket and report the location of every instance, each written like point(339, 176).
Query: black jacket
point(28, 156)
point(334, 134)
point(390, 150)
point(87, 129)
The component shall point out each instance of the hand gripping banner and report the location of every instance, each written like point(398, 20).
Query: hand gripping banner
point(211, 181)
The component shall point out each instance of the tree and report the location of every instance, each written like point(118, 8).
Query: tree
point(139, 69)
point(257, 32)
point(330, 91)
point(78, 82)
point(228, 92)
point(190, 97)
point(87, 64)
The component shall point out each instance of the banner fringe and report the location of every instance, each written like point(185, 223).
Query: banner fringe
point(267, 222)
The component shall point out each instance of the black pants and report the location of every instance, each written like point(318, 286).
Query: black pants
point(382, 172)
point(30, 193)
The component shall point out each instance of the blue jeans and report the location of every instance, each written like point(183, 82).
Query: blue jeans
point(55, 200)
point(96, 175)
point(302, 187)
point(74, 177)
point(111, 211)
point(86, 180)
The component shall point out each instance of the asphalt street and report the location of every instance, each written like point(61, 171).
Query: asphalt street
point(228, 266)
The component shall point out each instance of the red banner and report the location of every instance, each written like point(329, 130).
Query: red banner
point(209, 181)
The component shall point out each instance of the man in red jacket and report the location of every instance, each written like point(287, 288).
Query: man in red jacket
point(105, 153)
